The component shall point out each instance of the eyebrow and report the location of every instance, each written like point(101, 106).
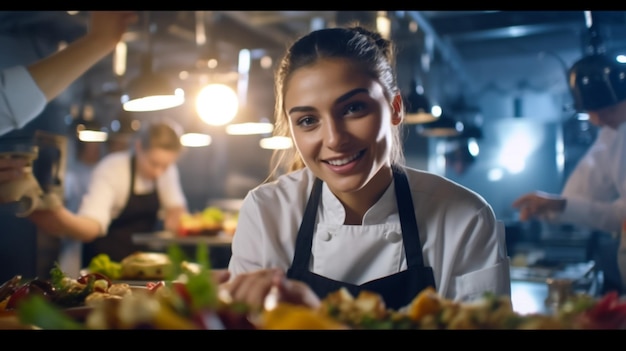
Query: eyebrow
point(340, 99)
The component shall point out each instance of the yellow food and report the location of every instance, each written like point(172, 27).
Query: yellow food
point(295, 317)
point(146, 265)
point(425, 303)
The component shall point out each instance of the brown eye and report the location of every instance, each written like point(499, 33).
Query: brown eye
point(306, 121)
point(354, 108)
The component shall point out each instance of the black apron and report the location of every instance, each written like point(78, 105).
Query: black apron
point(397, 290)
point(138, 216)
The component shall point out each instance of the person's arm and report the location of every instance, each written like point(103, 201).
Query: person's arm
point(63, 223)
point(109, 182)
point(171, 222)
point(589, 197)
point(595, 192)
point(25, 91)
point(172, 198)
point(53, 74)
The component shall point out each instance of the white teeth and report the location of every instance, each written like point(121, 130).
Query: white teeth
point(343, 161)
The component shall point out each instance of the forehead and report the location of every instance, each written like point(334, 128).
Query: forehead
point(327, 77)
point(160, 154)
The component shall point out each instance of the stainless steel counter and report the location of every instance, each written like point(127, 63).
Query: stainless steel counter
point(161, 240)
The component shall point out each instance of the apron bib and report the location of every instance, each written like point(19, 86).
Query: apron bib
point(139, 216)
point(397, 290)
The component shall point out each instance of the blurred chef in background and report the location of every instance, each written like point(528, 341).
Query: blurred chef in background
point(128, 190)
point(594, 195)
point(25, 90)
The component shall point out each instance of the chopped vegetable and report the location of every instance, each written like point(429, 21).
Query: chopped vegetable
point(36, 310)
point(102, 264)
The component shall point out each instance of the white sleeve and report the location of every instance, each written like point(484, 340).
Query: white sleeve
point(248, 239)
point(99, 201)
point(170, 189)
point(21, 100)
point(596, 190)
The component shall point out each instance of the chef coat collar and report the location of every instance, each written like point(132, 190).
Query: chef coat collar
point(333, 212)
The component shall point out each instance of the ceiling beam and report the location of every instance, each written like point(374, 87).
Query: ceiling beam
point(447, 50)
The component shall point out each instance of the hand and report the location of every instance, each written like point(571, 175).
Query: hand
point(12, 169)
point(109, 26)
point(539, 205)
point(48, 220)
point(252, 289)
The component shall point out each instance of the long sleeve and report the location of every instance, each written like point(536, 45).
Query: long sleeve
point(21, 100)
point(596, 189)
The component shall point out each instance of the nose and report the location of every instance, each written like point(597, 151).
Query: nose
point(334, 133)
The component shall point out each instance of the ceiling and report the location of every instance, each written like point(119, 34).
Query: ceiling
point(455, 37)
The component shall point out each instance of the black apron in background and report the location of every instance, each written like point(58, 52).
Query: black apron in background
point(397, 290)
point(138, 216)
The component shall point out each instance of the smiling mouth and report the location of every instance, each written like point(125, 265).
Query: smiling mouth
point(345, 160)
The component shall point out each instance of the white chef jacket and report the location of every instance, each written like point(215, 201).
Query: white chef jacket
point(110, 188)
point(461, 239)
point(21, 99)
point(596, 189)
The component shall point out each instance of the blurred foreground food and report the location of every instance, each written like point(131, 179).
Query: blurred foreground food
point(191, 302)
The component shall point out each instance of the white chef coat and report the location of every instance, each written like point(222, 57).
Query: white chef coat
point(596, 189)
point(21, 99)
point(110, 188)
point(461, 239)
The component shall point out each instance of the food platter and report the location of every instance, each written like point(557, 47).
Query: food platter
point(10, 319)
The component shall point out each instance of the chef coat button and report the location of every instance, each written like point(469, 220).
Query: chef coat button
point(393, 237)
point(326, 236)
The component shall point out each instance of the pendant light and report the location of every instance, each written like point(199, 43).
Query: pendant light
point(150, 91)
point(596, 80)
point(417, 106)
point(444, 126)
point(84, 124)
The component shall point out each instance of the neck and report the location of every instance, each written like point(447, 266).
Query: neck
point(357, 203)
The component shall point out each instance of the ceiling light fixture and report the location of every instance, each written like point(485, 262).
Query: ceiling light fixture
point(276, 143)
point(150, 91)
point(444, 126)
point(254, 126)
point(417, 106)
point(195, 139)
point(87, 128)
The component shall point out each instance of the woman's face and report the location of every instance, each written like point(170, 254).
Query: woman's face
point(340, 121)
point(151, 163)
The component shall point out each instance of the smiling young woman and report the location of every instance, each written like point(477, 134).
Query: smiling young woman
point(348, 213)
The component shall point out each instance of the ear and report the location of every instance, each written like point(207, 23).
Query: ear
point(397, 110)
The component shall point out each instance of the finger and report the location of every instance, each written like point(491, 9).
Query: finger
point(220, 275)
point(521, 201)
point(251, 288)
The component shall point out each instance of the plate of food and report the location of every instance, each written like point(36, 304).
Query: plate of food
point(138, 268)
point(56, 298)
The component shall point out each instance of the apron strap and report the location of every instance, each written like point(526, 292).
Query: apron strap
point(304, 240)
point(410, 232)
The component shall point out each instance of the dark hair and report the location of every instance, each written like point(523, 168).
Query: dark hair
point(368, 49)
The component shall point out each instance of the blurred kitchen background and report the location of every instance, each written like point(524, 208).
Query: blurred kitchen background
point(502, 74)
